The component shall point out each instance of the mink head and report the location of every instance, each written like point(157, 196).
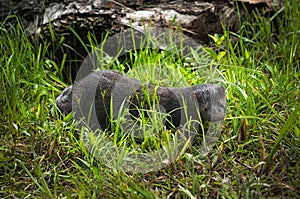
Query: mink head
point(211, 99)
point(64, 100)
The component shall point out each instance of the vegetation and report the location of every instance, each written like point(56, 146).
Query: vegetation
point(256, 156)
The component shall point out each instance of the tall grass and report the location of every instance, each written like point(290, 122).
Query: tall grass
point(42, 155)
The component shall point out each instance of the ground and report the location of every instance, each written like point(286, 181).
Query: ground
point(42, 155)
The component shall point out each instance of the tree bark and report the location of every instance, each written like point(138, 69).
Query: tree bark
point(53, 20)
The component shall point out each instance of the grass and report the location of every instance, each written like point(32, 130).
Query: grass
point(257, 155)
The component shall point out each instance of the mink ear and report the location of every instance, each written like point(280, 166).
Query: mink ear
point(221, 90)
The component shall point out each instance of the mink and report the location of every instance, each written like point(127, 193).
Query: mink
point(102, 89)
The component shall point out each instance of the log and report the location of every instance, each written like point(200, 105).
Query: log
point(53, 20)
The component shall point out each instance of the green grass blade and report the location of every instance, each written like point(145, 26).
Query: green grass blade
point(288, 126)
point(45, 189)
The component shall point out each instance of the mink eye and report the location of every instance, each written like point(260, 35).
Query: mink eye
point(201, 98)
point(206, 109)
